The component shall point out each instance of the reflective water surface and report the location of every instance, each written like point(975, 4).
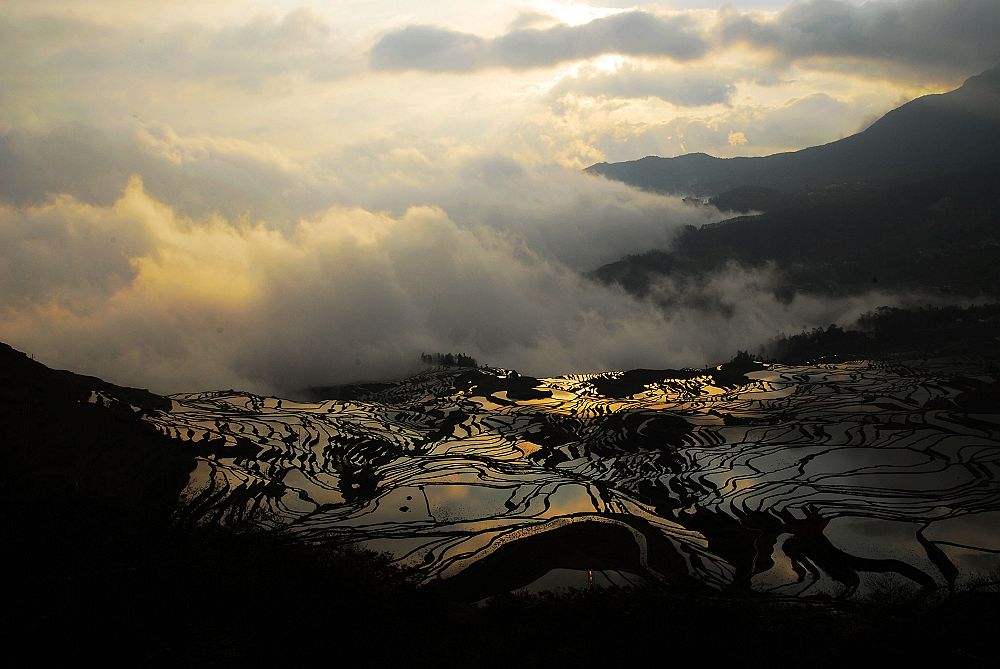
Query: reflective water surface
point(792, 480)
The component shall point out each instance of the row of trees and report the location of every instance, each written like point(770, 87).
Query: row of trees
point(449, 359)
point(972, 330)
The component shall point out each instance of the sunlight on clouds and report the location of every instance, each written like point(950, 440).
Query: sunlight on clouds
point(296, 214)
point(772, 118)
point(574, 14)
point(737, 138)
point(348, 294)
point(162, 140)
point(608, 63)
point(310, 92)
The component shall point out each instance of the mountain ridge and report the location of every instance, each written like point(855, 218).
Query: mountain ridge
point(929, 136)
point(936, 235)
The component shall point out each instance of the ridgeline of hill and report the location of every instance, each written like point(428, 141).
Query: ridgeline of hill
point(889, 332)
point(939, 235)
point(930, 136)
point(910, 204)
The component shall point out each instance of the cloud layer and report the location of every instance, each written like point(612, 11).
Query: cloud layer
point(244, 55)
point(636, 33)
point(139, 294)
point(684, 88)
point(187, 281)
point(346, 294)
point(561, 214)
point(958, 35)
point(222, 197)
point(317, 79)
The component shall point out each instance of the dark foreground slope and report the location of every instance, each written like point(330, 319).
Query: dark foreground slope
point(930, 136)
point(83, 480)
point(100, 570)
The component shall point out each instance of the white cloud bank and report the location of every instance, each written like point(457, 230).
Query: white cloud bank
point(139, 294)
point(559, 213)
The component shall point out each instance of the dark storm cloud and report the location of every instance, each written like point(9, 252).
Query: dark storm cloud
point(430, 48)
point(633, 33)
point(945, 35)
point(954, 36)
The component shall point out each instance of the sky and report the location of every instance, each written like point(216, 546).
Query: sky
point(272, 194)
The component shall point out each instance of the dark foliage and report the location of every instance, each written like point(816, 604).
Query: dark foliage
point(448, 359)
point(891, 331)
point(938, 235)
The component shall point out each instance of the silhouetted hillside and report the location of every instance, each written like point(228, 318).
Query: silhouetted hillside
point(930, 136)
point(77, 472)
point(890, 331)
point(939, 235)
point(746, 199)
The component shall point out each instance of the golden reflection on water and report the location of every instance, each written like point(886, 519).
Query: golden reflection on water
point(845, 448)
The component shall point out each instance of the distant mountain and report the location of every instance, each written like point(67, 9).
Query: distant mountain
point(938, 235)
point(930, 136)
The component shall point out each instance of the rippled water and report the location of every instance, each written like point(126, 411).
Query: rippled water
point(793, 480)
